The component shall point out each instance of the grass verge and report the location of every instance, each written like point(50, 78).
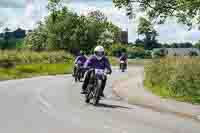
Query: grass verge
point(32, 70)
point(163, 92)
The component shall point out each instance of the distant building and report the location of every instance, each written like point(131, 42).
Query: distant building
point(178, 51)
point(123, 37)
point(19, 33)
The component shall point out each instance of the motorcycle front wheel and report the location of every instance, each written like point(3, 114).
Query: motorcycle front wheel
point(97, 92)
point(88, 96)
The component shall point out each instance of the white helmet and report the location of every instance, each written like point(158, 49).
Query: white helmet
point(99, 52)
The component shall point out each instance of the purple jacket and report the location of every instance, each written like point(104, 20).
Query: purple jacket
point(93, 62)
point(80, 60)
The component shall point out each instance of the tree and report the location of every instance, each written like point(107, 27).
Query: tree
point(110, 33)
point(193, 53)
point(106, 39)
point(7, 36)
point(186, 11)
point(117, 49)
point(115, 30)
point(139, 43)
point(53, 6)
point(187, 45)
point(159, 53)
point(146, 28)
point(182, 45)
point(98, 15)
point(197, 45)
point(71, 32)
point(174, 45)
point(165, 45)
point(37, 39)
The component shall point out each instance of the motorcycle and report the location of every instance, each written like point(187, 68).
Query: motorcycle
point(79, 73)
point(94, 88)
point(122, 66)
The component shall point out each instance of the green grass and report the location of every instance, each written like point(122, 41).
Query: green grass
point(158, 90)
point(32, 70)
point(164, 93)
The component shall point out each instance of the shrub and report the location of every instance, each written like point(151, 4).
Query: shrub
point(136, 52)
point(116, 49)
point(159, 53)
point(193, 53)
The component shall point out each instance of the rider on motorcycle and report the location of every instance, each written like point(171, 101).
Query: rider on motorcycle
point(79, 61)
point(123, 58)
point(98, 61)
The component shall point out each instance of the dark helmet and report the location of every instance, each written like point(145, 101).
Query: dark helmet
point(123, 54)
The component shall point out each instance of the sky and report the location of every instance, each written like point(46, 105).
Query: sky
point(26, 14)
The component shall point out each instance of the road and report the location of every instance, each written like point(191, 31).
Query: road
point(53, 104)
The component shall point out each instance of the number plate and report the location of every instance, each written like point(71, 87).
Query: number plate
point(99, 71)
point(122, 62)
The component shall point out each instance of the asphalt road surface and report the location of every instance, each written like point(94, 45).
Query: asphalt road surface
point(54, 105)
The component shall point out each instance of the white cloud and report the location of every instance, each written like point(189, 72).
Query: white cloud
point(26, 17)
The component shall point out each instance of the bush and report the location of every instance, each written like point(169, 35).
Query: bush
point(193, 53)
point(159, 53)
point(116, 49)
point(176, 76)
point(136, 52)
point(31, 57)
point(148, 54)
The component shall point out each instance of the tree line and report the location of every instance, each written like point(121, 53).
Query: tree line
point(64, 29)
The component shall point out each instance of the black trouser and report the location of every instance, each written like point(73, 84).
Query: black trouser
point(75, 70)
point(89, 78)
